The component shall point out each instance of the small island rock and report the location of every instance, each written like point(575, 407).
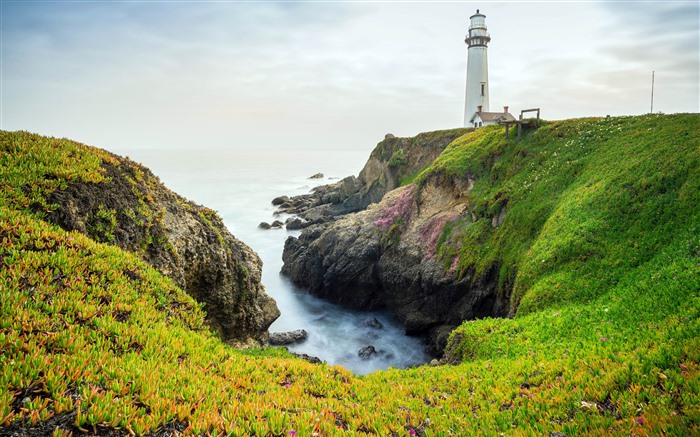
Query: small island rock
point(316, 176)
point(373, 322)
point(367, 352)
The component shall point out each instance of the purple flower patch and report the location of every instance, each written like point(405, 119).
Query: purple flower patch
point(400, 209)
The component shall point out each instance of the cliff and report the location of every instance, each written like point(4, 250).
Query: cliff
point(393, 162)
point(117, 201)
point(495, 227)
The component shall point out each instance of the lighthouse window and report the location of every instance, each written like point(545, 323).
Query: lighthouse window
point(483, 86)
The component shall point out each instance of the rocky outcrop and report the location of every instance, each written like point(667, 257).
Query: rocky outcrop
point(393, 161)
point(186, 242)
point(385, 257)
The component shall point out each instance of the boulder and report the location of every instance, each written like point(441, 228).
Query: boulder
point(367, 352)
point(295, 223)
point(285, 338)
point(276, 224)
point(316, 176)
point(309, 358)
point(280, 200)
point(373, 322)
point(264, 225)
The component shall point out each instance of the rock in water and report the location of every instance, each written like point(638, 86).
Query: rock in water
point(367, 352)
point(264, 225)
point(316, 176)
point(373, 322)
point(184, 241)
point(280, 200)
point(285, 338)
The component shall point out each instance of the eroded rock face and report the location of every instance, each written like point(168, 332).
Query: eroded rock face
point(369, 245)
point(392, 160)
point(186, 242)
point(384, 257)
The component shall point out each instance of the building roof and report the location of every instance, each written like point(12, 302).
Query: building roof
point(493, 116)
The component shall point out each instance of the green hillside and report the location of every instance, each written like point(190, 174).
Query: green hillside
point(600, 246)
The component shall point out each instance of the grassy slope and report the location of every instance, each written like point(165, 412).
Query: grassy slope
point(88, 330)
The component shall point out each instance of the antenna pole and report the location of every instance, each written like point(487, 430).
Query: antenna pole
point(652, 93)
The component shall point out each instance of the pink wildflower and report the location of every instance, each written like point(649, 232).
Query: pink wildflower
point(640, 420)
point(431, 231)
point(400, 209)
point(412, 432)
point(292, 433)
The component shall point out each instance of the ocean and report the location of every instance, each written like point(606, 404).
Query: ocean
point(240, 187)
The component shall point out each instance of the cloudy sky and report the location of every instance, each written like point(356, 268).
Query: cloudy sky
point(314, 75)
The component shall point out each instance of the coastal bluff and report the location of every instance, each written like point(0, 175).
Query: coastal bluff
point(125, 205)
point(495, 227)
point(344, 256)
point(392, 163)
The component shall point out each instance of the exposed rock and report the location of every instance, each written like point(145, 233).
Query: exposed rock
point(186, 242)
point(369, 260)
point(295, 223)
point(380, 175)
point(316, 176)
point(285, 338)
point(276, 224)
point(280, 200)
point(373, 322)
point(264, 225)
point(367, 352)
point(309, 358)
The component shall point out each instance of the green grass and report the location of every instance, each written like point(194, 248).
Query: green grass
point(600, 245)
point(598, 197)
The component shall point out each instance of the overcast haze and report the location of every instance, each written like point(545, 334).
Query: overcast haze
point(300, 75)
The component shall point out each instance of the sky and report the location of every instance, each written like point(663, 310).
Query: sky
point(124, 75)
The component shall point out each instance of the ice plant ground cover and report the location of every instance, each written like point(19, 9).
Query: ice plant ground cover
point(600, 242)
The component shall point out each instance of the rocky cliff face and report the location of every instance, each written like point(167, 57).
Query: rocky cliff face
point(385, 256)
point(392, 161)
point(186, 242)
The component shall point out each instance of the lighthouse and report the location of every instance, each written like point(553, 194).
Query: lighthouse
point(477, 94)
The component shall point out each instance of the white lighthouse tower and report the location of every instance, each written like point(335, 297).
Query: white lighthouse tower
point(477, 95)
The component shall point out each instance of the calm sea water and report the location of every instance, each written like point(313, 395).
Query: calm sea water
point(240, 186)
